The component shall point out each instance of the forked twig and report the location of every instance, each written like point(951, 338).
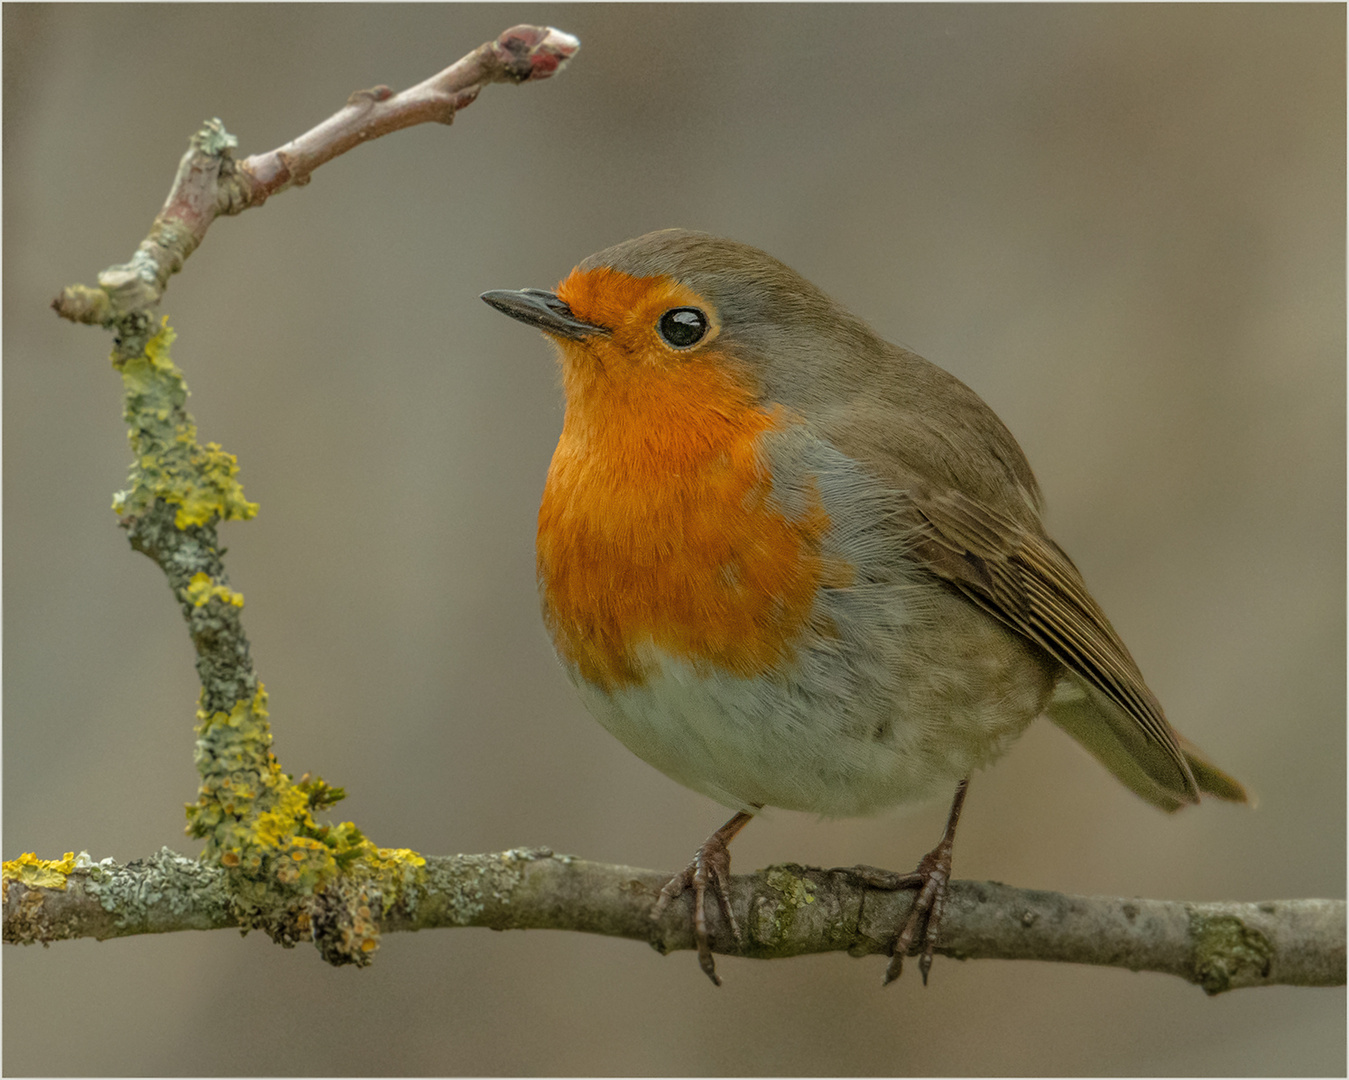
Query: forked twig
point(210, 183)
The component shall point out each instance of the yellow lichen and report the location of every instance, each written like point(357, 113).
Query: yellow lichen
point(256, 821)
point(44, 873)
point(200, 591)
point(259, 823)
point(169, 463)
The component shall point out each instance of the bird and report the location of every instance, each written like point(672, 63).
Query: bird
point(792, 565)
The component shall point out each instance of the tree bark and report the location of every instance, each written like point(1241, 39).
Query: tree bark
point(785, 911)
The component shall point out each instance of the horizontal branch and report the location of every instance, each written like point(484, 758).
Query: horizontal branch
point(784, 910)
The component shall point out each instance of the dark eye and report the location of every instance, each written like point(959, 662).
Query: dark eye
point(682, 327)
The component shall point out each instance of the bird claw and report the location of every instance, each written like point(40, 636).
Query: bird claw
point(924, 921)
point(710, 870)
point(873, 877)
point(925, 917)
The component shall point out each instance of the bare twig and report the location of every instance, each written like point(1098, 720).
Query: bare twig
point(785, 910)
point(210, 183)
point(521, 54)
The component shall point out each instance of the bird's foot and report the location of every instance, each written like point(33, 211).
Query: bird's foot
point(710, 870)
point(925, 917)
point(924, 922)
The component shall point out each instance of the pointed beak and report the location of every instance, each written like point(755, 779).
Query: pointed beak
point(542, 309)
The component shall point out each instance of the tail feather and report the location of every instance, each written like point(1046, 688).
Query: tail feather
point(1121, 747)
point(1211, 779)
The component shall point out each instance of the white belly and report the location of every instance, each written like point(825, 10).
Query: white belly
point(849, 729)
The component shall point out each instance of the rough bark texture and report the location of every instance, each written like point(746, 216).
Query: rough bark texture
point(784, 910)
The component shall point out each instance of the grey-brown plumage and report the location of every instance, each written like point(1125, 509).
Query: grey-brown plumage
point(942, 619)
point(974, 500)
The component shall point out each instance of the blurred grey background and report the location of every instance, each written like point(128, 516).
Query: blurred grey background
point(1123, 226)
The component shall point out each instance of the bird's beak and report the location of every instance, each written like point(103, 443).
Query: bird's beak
point(542, 309)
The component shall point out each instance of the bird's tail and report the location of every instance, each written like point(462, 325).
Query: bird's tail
point(1118, 745)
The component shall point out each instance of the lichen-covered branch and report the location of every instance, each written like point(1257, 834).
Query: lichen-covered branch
point(283, 871)
point(269, 862)
point(277, 868)
point(209, 182)
point(784, 910)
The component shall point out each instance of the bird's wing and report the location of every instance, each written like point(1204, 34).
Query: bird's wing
point(1023, 578)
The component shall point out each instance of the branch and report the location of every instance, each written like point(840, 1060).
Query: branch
point(269, 864)
point(284, 872)
point(784, 910)
point(210, 183)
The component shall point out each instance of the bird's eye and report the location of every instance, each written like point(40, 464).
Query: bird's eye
point(682, 327)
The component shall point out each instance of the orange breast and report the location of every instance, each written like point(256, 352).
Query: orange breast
point(657, 526)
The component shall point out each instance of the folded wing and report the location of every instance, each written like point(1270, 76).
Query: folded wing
point(1024, 579)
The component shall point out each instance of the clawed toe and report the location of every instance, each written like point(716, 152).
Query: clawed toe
point(924, 921)
point(710, 870)
point(929, 905)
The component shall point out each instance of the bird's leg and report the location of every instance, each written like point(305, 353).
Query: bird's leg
point(711, 867)
point(930, 879)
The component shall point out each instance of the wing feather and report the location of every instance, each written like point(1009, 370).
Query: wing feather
point(1023, 579)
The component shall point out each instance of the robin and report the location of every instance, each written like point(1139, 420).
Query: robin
point(790, 564)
